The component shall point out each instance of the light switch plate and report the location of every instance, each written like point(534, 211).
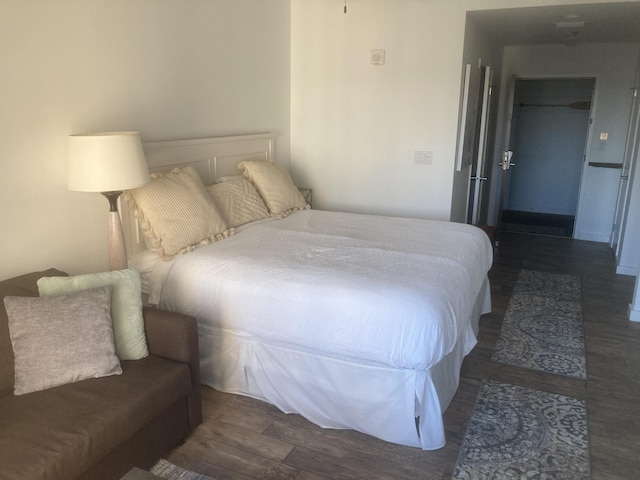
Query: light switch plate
point(421, 157)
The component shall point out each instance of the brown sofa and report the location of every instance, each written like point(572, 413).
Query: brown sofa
point(100, 428)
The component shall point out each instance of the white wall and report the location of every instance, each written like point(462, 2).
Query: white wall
point(634, 307)
point(355, 126)
point(627, 251)
point(167, 69)
point(614, 67)
point(629, 258)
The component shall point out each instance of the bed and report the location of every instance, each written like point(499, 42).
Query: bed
point(350, 320)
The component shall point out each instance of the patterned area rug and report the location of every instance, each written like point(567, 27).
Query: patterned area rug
point(542, 327)
point(168, 470)
point(519, 433)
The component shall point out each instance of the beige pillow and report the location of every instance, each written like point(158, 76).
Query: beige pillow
point(126, 305)
point(59, 340)
point(176, 212)
point(274, 185)
point(238, 201)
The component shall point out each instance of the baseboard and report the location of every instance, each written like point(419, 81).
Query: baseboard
point(627, 270)
point(542, 210)
point(592, 237)
point(634, 315)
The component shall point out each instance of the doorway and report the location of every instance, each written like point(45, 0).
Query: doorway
point(549, 136)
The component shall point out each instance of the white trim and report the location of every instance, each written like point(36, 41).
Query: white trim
point(466, 85)
point(592, 237)
point(627, 270)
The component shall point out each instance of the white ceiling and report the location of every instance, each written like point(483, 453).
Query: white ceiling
point(603, 23)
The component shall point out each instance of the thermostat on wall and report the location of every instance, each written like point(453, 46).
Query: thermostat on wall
point(377, 57)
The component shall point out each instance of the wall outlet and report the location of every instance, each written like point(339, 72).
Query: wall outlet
point(421, 157)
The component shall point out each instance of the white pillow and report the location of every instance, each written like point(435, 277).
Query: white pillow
point(176, 212)
point(126, 305)
point(274, 185)
point(60, 340)
point(238, 201)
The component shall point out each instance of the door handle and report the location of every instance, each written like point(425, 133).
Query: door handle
point(505, 163)
point(482, 179)
point(624, 177)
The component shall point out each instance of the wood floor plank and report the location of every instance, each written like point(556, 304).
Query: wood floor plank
point(363, 453)
point(239, 414)
point(332, 467)
point(310, 476)
point(198, 463)
point(248, 440)
point(232, 458)
point(243, 438)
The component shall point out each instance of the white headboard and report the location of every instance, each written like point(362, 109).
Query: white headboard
point(212, 158)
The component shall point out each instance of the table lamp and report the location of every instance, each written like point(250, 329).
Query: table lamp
point(108, 163)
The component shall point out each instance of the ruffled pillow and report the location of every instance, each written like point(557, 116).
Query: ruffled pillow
point(176, 213)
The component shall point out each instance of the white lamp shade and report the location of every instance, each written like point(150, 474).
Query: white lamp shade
point(106, 162)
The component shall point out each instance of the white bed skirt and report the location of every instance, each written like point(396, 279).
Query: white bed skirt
point(336, 393)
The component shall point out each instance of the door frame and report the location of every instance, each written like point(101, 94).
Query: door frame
point(478, 173)
point(507, 122)
point(632, 147)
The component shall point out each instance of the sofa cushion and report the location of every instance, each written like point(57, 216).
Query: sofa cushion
point(63, 339)
point(25, 286)
point(72, 426)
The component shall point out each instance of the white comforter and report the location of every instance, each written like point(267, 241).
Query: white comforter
point(382, 290)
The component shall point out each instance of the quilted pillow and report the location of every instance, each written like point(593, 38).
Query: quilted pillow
point(126, 305)
point(60, 340)
point(238, 201)
point(176, 212)
point(274, 185)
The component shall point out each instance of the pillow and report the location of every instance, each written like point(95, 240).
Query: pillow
point(238, 201)
point(21, 286)
point(144, 262)
point(176, 212)
point(274, 185)
point(59, 340)
point(126, 305)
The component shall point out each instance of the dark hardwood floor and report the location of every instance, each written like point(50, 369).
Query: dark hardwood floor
point(242, 438)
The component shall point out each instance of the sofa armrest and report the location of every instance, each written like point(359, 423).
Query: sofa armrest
point(175, 336)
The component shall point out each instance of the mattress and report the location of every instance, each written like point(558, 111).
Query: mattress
point(377, 290)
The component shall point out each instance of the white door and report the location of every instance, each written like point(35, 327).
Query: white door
point(630, 153)
point(478, 177)
point(507, 154)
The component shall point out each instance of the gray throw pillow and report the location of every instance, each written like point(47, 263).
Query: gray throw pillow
point(60, 340)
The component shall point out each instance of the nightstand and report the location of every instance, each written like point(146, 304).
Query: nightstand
point(306, 193)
